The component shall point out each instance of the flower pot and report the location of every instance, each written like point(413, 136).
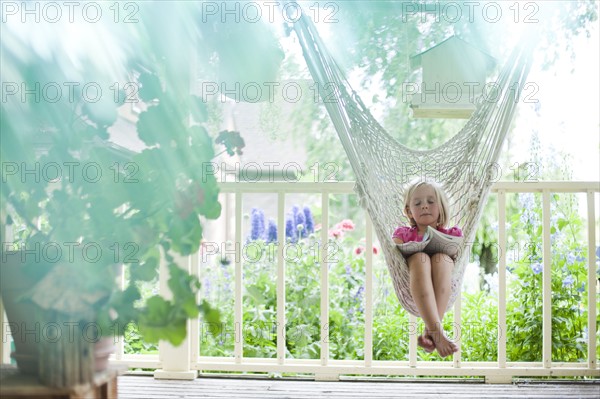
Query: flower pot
point(14, 282)
point(102, 351)
point(16, 278)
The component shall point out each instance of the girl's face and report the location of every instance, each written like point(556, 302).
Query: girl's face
point(423, 207)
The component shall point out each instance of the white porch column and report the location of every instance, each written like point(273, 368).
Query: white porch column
point(175, 361)
point(5, 340)
point(5, 336)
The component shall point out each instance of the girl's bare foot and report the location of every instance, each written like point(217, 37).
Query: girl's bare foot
point(444, 346)
point(426, 343)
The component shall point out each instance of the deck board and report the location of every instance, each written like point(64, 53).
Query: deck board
point(146, 387)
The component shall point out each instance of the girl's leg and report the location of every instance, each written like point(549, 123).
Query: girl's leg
point(421, 288)
point(441, 273)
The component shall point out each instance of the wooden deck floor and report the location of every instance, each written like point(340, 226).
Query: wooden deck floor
point(142, 387)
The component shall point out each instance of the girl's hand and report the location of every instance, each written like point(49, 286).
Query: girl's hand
point(397, 240)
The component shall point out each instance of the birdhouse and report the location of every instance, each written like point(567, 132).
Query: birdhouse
point(454, 77)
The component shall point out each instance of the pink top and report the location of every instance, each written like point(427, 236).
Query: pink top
point(407, 234)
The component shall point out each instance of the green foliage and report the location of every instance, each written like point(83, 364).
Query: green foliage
point(477, 332)
point(568, 282)
point(153, 201)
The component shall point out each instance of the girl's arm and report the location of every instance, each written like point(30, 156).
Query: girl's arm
point(399, 234)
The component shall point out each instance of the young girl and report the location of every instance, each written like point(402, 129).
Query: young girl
point(426, 205)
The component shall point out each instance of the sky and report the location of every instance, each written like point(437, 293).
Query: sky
point(569, 112)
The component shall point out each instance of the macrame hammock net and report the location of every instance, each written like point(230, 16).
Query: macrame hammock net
point(464, 165)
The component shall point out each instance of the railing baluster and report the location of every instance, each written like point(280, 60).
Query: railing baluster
point(591, 213)
point(281, 329)
point(457, 319)
point(502, 251)
point(324, 278)
point(547, 282)
point(195, 323)
point(238, 308)
point(120, 344)
point(368, 292)
point(413, 332)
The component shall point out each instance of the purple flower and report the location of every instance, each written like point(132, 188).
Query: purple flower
point(527, 200)
point(348, 270)
point(582, 288)
point(570, 258)
point(272, 232)
point(257, 221)
point(300, 222)
point(568, 281)
point(295, 210)
point(358, 298)
point(359, 292)
point(310, 223)
point(290, 230)
point(227, 279)
point(537, 268)
point(206, 284)
point(579, 258)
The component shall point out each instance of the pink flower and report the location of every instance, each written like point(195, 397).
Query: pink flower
point(359, 250)
point(318, 227)
point(346, 224)
point(336, 233)
point(375, 250)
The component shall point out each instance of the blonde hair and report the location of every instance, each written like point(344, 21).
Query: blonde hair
point(442, 201)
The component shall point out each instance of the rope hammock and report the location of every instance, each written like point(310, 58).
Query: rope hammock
point(381, 164)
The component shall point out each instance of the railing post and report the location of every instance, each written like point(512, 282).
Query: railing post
point(413, 332)
point(591, 280)
point(281, 328)
point(502, 250)
point(456, 358)
point(326, 376)
point(368, 291)
point(501, 379)
point(547, 282)
point(324, 279)
point(176, 360)
point(238, 316)
point(194, 324)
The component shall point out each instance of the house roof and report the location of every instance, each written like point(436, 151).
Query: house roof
point(415, 60)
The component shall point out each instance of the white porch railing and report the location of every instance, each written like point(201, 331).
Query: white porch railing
point(174, 364)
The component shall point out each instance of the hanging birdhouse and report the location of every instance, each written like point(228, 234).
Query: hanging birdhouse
point(454, 77)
